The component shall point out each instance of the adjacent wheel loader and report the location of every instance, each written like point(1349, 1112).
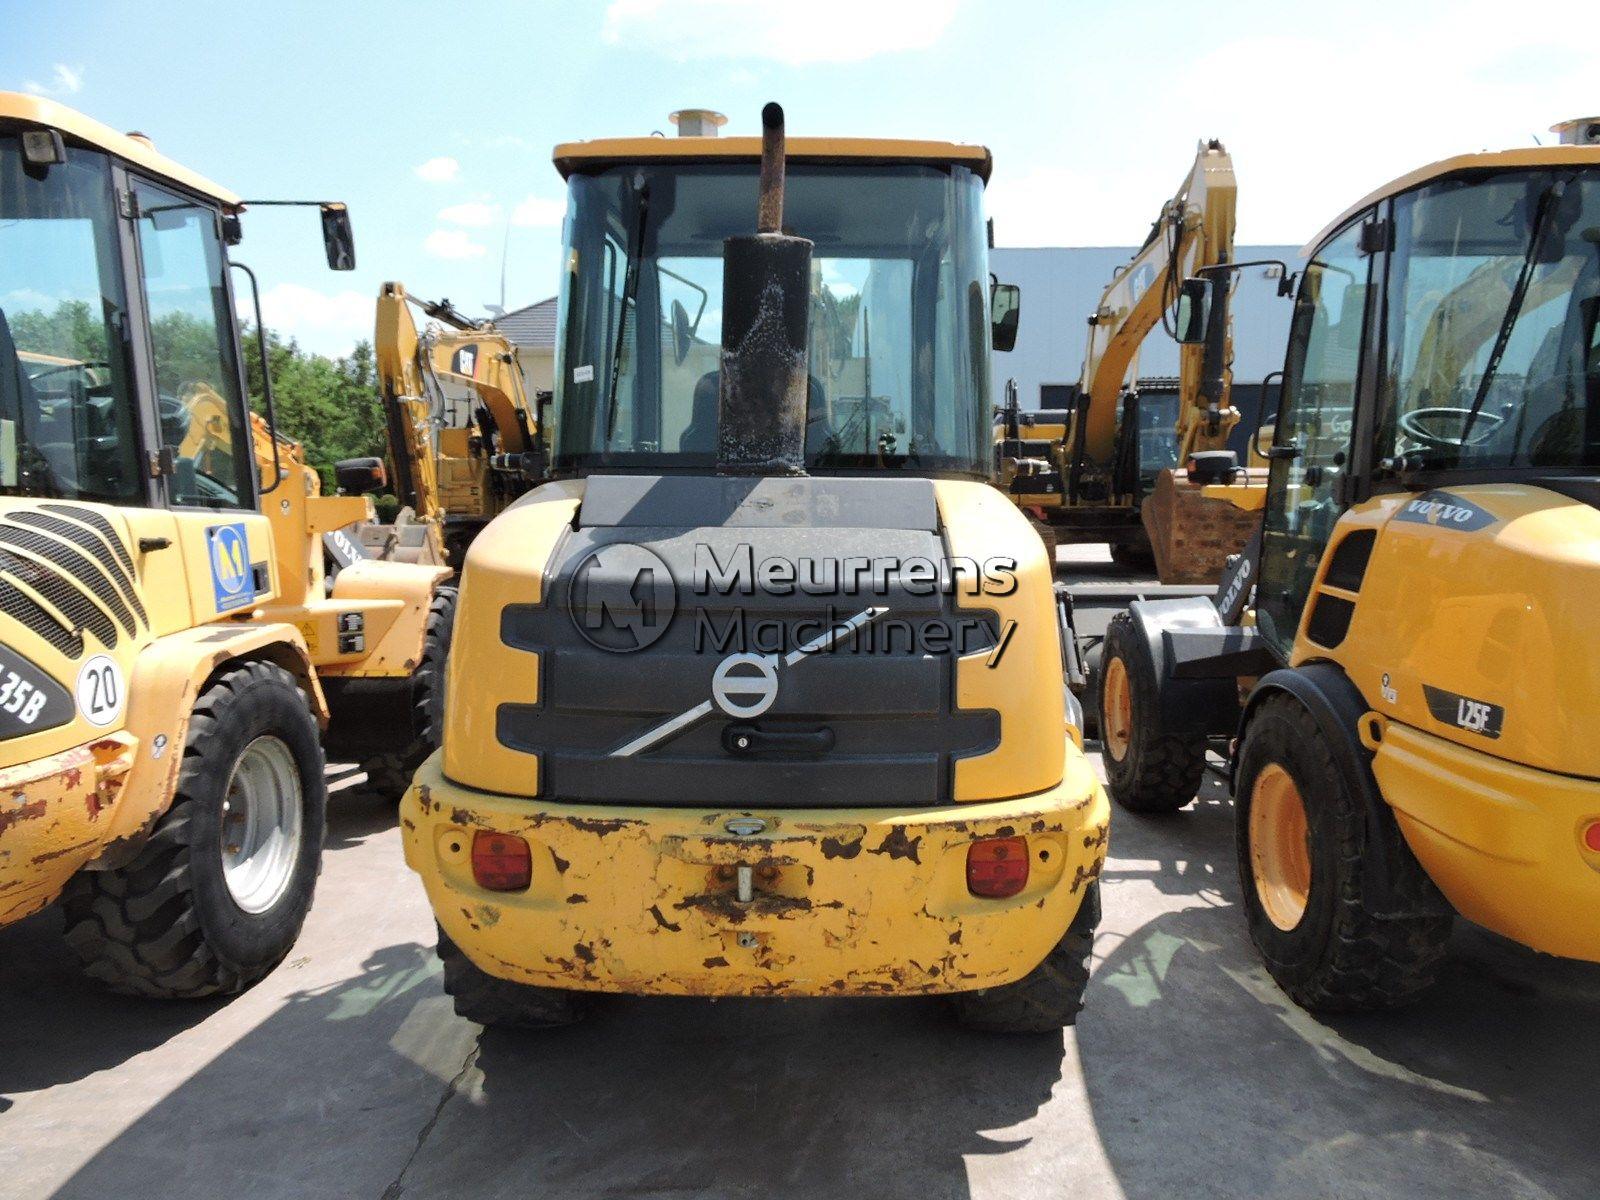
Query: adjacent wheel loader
point(166, 623)
point(1407, 703)
point(762, 695)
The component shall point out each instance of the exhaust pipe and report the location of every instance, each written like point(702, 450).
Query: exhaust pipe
point(766, 295)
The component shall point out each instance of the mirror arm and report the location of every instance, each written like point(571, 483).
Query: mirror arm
point(266, 376)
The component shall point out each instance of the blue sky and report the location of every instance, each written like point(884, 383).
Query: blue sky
point(435, 122)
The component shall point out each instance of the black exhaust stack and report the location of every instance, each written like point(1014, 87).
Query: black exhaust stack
point(766, 303)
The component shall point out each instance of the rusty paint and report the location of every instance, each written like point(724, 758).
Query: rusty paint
point(669, 926)
point(584, 952)
point(30, 810)
point(716, 960)
point(577, 898)
point(561, 863)
point(897, 844)
point(833, 847)
point(460, 816)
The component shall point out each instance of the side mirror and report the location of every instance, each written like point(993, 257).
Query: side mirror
point(338, 239)
point(1194, 311)
point(1005, 310)
point(357, 476)
point(682, 333)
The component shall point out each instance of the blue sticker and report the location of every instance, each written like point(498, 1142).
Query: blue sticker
point(230, 566)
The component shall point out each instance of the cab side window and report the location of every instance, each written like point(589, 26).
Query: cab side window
point(193, 350)
point(1305, 488)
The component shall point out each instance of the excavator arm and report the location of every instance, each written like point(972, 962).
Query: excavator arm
point(1195, 230)
point(407, 408)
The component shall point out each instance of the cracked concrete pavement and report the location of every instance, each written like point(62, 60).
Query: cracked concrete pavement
point(345, 1073)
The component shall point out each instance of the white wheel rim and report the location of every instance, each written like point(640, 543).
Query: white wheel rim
point(261, 825)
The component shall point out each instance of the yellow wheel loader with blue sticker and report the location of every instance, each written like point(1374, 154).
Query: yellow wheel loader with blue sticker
point(179, 605)
point(763, 694)
point(1401, 669)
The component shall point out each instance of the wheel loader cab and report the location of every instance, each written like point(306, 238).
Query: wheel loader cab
point(732, 710)
point(1419, 664)
point(161, 649)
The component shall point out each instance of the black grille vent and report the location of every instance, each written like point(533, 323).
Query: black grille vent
point(79, 536)
point(21, 607)
point(1330, 620)
point(62, 594)
point(100, 525)
point(1348, 567)
point(74, 564)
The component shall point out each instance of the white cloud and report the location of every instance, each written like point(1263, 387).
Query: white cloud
point(438, 170)
point(537, 212)
point(822, 31)
point(320, 322)
point(64, 81)
point(474, 214)
point(452, 244)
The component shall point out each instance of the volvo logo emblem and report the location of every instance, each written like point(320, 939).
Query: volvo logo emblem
point(745, 685)
point(745, 826)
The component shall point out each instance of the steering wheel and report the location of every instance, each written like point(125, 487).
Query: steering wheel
point(1414, 424)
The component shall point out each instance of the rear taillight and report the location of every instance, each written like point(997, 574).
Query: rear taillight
point(997, 867)
point(1591, 836)
point(501, 862)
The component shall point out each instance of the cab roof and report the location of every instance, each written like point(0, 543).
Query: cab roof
point(577, 157)
point(18, 108)
point(1524, 158)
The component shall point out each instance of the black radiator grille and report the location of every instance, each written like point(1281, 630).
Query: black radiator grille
point(23, 608)
point(62, 594)
point(74, 564)
point(120, 568)
point(102, 526)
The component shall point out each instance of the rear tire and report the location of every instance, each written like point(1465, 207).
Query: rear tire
point(170, 923)
point(1149, 768)
point(389, 775)
point(1047, 998)
point(1335, 956)
point(500, 1003)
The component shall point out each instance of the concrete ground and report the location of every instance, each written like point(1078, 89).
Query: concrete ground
point(346, 1074)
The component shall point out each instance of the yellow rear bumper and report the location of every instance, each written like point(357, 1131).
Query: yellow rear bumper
point(846, 901)
point(54, 818)
point(1502, 841)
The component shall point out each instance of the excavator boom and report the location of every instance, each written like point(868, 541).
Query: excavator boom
point(1195, 230)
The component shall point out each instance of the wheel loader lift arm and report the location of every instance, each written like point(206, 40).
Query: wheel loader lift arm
point(1195, 230)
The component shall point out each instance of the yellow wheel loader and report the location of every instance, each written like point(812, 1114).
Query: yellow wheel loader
point(1407, 702)
point(463, 439)
point(762, 694)
point(1143, 464)
point(166, 626)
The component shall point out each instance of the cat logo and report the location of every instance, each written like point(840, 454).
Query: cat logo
point(465, 361)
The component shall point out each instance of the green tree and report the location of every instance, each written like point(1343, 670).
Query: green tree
point(329, 405)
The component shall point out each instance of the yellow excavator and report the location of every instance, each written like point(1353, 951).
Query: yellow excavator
point(170, 628)
point(762, 694)
point(1401, 669)
point(464, 440)
point(1143, 464)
